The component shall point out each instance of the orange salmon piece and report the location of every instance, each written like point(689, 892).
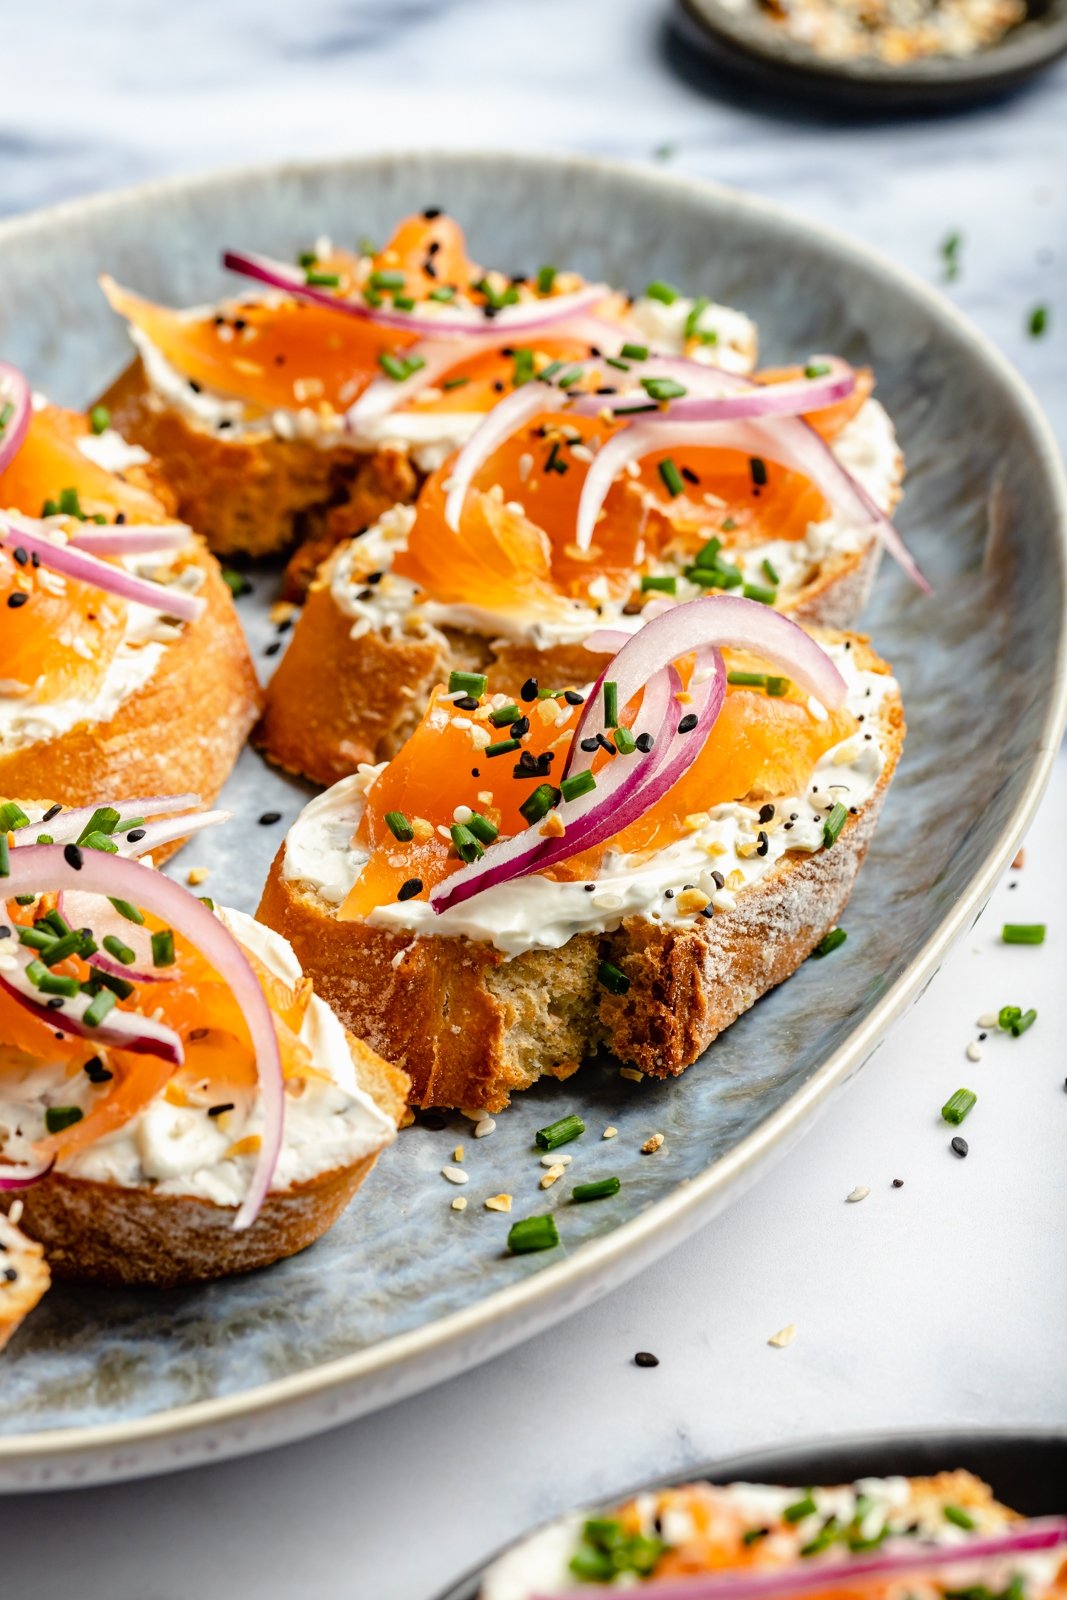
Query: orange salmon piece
point(49, 461)
point(830, 420)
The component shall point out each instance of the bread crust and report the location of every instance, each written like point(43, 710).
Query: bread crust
point(19, 1294)
point(470, 1026)
point(252, 495)
point(112, 1234)
point(181, 731)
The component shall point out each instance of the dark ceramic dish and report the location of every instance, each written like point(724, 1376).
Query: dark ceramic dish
point(747, 45)
point(1027, 1471)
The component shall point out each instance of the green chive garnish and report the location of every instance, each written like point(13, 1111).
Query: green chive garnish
point(614, 361)
point(1021, 1024)
point(387, 280)
point(1038, 321)
point(961, 1518)
point(569, 378)
point(99, 841)
point(611, 705)
point(107, 980)
point(399, 367)
point(748, 680)
point(45, 838)
point(709, 554)
point(7, 411)
point(163, 948)
point(12, 816)
point(757, 591)
point(533, 1233)
point(501, 747)
point(833, 824)
point(1023, 933)
point(124, 909)
point(776, 687)
point(322, 280)
point(625, 743)
point(800, 1509)
point(98, 1008)
point(35, 938)
point(664, 582)
point(600, 1190)
point(665, 293)
point(472, 683)
point(578, 783)
point(830, 941)
point(236, 582)
point(634, 352)
point(523, 370)
point(56, 1118)
point(5, 857)
point(663, 388)
point(445, 292)
point(546, 277)
point(104, 819)
point(503, 716)
point(672, 478)
point(613, 978)
point(100, 419)
point(115, 947)
point(557, 1133)
point(72, 943)
point(52, 983)
point(958, 1105)
point(538, 804)
point(483, 830)
point(770, 572)
point(454, 383)
point(466, 845)
point(70, 505)
point(399, 826)
point(700, 305)
point(816, 369)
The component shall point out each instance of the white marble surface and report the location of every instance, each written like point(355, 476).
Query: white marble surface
point(941, 1303)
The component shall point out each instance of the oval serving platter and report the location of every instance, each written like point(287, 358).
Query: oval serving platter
point(1026, 1471)
point(404, 1291)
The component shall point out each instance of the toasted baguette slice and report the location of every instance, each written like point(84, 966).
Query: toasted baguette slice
point(181, 731)
point(471, 1026)
point(114, 1234)
point(24, 1276)
point(257, 493)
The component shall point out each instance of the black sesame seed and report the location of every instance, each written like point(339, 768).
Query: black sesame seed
point(519, 729)
point(53, 811)
point(668, 894)
point(589, 745)
point(528, 691)
point(645, 1358)
point(135, 835)
point(407, 890)
point(269, 817)
point(763, 843)
point(718, 880)
point(10, 1275)
point(644, 742)
point(466, 702)
point(431, 214)
point(216, 1111)
point(688, 722)
point(72, 856)
point(589, 887)
point(16, 600)
point(20, 555)
point(898, 1183)
point(273, 648)
point(55, 1003)
point(766, 813)
point(573, 698)
point(960, 1146)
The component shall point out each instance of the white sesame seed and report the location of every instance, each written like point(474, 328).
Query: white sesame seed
point(484, 1127)
point(784, 1336)
point(859, 1193)
point(552, 1175)
point(974, 1051)
point(455, 1174)
point(631, 1073)
point(988, 1019)
point(457, 1154)
point(610, 1132)
point(553, 1160)
point(459, 1203)
point(498, 1202)
point(462, 815)
point(473, 1114)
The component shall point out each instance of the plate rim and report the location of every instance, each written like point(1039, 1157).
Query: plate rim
point(220, 1427)
point(744, 1465)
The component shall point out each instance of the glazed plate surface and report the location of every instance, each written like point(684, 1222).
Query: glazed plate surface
point(405, 1291)
point(1026, 1471)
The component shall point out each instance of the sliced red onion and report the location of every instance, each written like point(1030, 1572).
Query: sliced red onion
point(160, 833)
point(67, 826)
point(129, 539)
point(96, 912)
point(499, 425)
point(75, 563)
point(36, 869)
point(386, 395)
point(527, 315)
point(122, 1030)
point(902, 1556)
point(14, 392)
point(23, 1175)
point(791, 399)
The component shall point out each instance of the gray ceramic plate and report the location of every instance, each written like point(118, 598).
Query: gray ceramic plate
point(1026, 1471)
point(405, 1291)
point(749, 45)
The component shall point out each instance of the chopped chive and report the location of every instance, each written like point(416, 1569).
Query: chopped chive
point(961, 1518)
point(770, 571)
point(577, 784)
point(321, 280)
point(816, 369)
point(835, 821)
point(958, 1105)
point(99, 841)
point(467, 846)
point(634, 352)
point(613, 979)
point(757, 591)
point(236, 582)
point(1021, 1024)
point(548, 373)
point(672, 478)
point(72, 943)
point(104, 819)
point(5, 857)
point(130, 822)
point(306, 258)
point(709, 554)
point(1038, 321)
point(548, 694)
point(483, 830)
point(472, 683)
point(600, 1190)
point(700, 305)
point(830, 941)
point(625, 743)
point(664, 582)
point(107, 980)
point(1023, 933)
point(399, 367)
point(454, 383)
point(501, 747)
point(611, 705)
point(98, 1008)
point(663, 388)
point(503, 716)
point(20, 899)
point(35, 938)
point(533, 1233)
point(444, 292)
point(12, 816)
point(69, 504)
point(557, 1133)
point(163, 948)
point(7, 411)
point(403, 302)
point(568, 379)
point(115, 947)
point(546, 277)
point(540, 802)
point(748, 680)
point(56, 1118)
point(125, 909)
point(633, 411)
point(100, 419)
point(619, 365)
point(387, 280)
point(45, 838)
point(665, 293)
point(1007, 1015)
point(399, 826)
point(754, 1535)
point(776, 687)
point(523, 369)
point(52, 983)
point(800, 1509)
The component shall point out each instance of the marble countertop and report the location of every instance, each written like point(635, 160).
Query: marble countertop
point(936, 1304)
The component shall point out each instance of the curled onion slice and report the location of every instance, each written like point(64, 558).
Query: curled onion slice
point(520, 318)
point(65, 827)
point(14, 393)
point(124, 1030)
point(165, 832)
point(630, 785)
point(36, 869)
point(825, 1572)
point(24, 1174)
point(754, 401)
point(499, 424)
point(79, 564)
point(386, 395)
point(96, 912)
point(130, 539)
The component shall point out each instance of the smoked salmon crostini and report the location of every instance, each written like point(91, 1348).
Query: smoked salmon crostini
point(600, 491)
point(176, 1103)
point(303, 409)
point(877, 1539)
point(628, 865)
point(123, 668)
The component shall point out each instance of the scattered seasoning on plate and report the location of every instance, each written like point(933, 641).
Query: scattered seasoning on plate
point(1023, 933)
point(830, 941)
point(958, 1105)
point(600, 1190)
point(269, 817)
point(1038, 321)
point(898, 1183)
point(784, 1336)
point(857, 1194)
point(557, 1133)
point(645, 1358)
point(960, 1146)
point(950, 256)
point(533, 1233)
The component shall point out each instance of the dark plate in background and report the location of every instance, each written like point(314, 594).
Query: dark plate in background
point(1028, 1471)
point(745, 44)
